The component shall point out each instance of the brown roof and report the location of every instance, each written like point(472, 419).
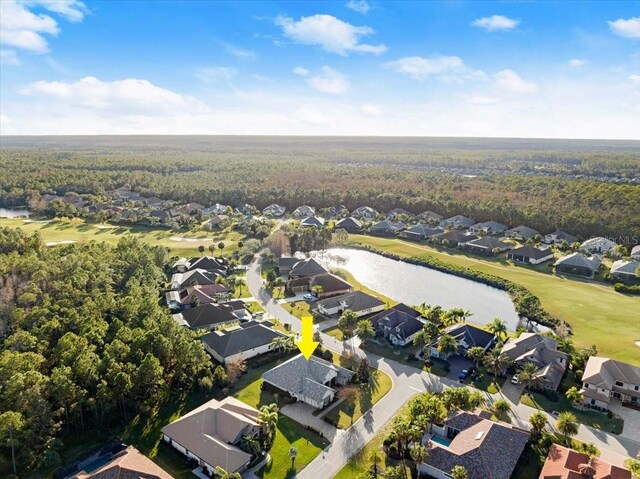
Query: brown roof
point(211, 430)
point(565, 463)
point(127, 464)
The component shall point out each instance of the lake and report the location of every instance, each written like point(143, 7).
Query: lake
point(14, 213)
point(413, 285)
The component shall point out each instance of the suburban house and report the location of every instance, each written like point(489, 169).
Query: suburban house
point(429, 217)
point(349, 224)
point(486, 449)
point(216, 209)
point(565, 463)
point(396, 213)
point(625, 270)
point(559, 237)
point(303, 211)
point(398, 324)
point(312, 221)
point(165, 216)
point(216, 222)
point(195, 295)
point(245, 341)
point(521, 233)
point(210, 316)
point(598, 245)
point(606, 379)
point(208, 263)
point(365, 213)
point(285, 263)
point(488, 228)
point(466, 336)
point(528, 254)
point(385, 228)
point(274, 210)
point(193, 277)
point(246, 209)
point(635, 252)
point(127, 463)
point(211, 434)
point(328, 284)
point(420, 232)
point(190, 208)
point(486, 245)
point(358, 302)
point(337, 211)
point(543, 352)
point(458, 222)
point(454, 237)
point(307, 267)
point(312, 381)
point(578, 263)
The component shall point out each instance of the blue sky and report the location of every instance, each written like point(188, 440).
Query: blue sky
point(355, 67)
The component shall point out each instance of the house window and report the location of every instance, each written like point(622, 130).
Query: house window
point(619, 383)
point(636, 388)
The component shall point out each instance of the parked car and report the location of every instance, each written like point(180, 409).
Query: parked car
point(515, 380)
point(309, 297)
point(463, 375)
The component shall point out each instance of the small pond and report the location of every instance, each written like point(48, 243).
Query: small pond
point(14, 213)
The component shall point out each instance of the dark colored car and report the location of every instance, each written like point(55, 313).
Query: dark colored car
point(463, 375)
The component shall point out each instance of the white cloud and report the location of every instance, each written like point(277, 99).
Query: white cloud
point(9, 57)
point(635, 79)
point(328, 80)
point(329, 33)
point(133, 96)
point(420, 68)
point(301, 71)
point(311, 116)
point(23, 29)
point(216, 75)
point(577, 62)
point(360, 6)
point(371, 110)
point(510, 82)
point(239, 52)
point(496, 22)
point(482, 100)
point(626, 28)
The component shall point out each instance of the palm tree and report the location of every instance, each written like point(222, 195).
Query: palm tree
point(375, 458)
point(498, 327)
point(500, 407)
point(422, 339)
point(496, 361)
point(365, 330)
point(538, 421)
point(567, 425)
point(528, 374)
point(447, 345)
point(212, 248)
point(476, 399)
point(419, 454)
point(250, 445)
point(574, 395)
point(239, 283)
point(453, 315)
point(475, 353)
point(293, 453)
point(223, 474)
point(221, 246)
point(201, 249)
point(268, 420)
point(459, 472)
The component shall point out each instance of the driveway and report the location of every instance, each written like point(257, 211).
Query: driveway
point(631, 419)
point(457, 364)
point(512, 392)
point(303, 414)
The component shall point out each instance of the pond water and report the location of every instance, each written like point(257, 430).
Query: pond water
point(14, 213)
point(413, 285)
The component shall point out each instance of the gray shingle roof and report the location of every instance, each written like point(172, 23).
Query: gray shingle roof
point(350, 223)
point(250, 335)
point(579, 260)
point(523, 231)
point(356, 301)
point(622, 266)
point(471, 335)
point(307, 267)
point(386, 226)
point(207, 315)
point(528, 251)
point(488, 243)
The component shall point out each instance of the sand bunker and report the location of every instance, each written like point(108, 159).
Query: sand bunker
point(38, 221)
point(187, 240)
point(56, 243)
point(638, 343)
point(105, 227)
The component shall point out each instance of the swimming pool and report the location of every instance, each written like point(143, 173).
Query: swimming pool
point(440, 440)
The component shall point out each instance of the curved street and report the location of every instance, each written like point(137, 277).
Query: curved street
point(407, 382)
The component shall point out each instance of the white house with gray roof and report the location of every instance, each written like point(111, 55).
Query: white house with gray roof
point(358, 302)
point(598, 245)
point(578, 263)
point(312, 381)
point(521, 233)
point(458, 222)
point(304, 211)
point(488, 227)
point(625, 270)
point(635, 252)
point(606, 379)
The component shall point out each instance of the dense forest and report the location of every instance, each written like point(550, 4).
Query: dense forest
point(584, 187)
point(88, 344)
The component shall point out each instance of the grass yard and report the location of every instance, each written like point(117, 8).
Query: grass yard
point(591, 418)
point(254, 307)
point(335, 332)
point(350, 410)
point(596, 312)
point(298, 308)
point(79, 231)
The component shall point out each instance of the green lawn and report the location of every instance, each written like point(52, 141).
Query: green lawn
point(254, 307)
point(79, 231)
point(349, 411)
point(596, 312)
point(591, 418)
point(298, 308)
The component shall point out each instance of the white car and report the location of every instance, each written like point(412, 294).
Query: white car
point(515, 380)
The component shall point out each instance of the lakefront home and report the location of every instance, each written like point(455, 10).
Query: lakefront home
point(245, 341)
point(398, 324)
point(313, 381)
point(358, 302)
point(543, 352)
point(323, 285)
point(528, 254)
point(578, 263)
point(307, 267)
point(466, 336)
point(606, 380)
point(211, 434)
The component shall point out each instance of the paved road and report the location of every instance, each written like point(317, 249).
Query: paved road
point(407, 382)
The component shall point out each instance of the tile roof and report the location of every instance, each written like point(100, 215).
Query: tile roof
point(127, 464)
point(249, 335)
point(210, 431)
point(565, 463)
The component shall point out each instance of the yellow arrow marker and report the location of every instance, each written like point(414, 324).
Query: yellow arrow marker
point(306, 344)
